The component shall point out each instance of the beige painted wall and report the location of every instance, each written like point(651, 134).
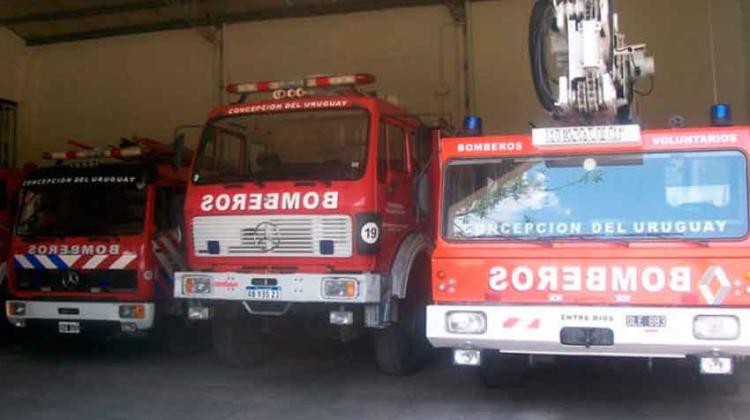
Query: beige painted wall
point(675, 32)
point(101, 90)
point(146, 84)
point(402, 47)
point(12, 60)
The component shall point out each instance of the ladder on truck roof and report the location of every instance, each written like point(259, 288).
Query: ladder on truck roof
point(135, 148)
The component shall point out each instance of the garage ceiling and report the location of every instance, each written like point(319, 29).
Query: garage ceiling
point(49, 21)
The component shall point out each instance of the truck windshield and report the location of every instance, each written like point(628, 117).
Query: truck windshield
point(311, 145)
point(90, 210)
point(692, 195)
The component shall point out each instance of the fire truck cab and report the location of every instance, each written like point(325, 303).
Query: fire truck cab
point(96, 240)
point(301, 212)
point(593, 241)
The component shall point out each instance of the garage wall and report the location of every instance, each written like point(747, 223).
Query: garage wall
point(12, 57)
point(675, 32)
point(746, 39)
point(411, 51)
point(99, 90)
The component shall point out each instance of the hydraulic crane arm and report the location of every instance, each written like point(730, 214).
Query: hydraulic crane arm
point(595, 68)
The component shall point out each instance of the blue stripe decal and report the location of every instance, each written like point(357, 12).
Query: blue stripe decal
point(17, 264)
point(58, 261)
point(32, 259)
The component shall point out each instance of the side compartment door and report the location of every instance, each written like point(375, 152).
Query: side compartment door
point(395, 189)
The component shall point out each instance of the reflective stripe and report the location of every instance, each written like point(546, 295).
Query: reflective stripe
point(46, 262)
point(35, 262)
point(94, 262)
point(69, 260)
point(122, 262)
point(60, 264)
point(23, 262)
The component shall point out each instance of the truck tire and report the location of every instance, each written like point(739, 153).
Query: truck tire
point(237, 337)
point(402, 348)
point(502, 370)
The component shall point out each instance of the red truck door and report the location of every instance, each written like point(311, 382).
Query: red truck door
point(395, 189)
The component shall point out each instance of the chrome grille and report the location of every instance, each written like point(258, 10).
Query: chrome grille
point(273, 235)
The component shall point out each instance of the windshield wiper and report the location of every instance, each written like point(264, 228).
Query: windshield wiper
point(573, 238)
point(666, 236)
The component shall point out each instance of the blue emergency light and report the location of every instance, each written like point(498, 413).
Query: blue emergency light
point(472, 125)
point(721, 115)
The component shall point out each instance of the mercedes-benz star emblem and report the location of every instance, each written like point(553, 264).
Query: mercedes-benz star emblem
point(266, 236)
point(71, 280)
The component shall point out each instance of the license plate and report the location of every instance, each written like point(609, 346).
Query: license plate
point(264, 292)
point(646, 321)
point(65, 327)
point(716, 365)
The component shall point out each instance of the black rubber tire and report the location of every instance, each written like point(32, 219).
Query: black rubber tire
point(402, 348)
point(237, 337)
point(499, 370)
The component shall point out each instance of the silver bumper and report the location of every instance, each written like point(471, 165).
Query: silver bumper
point(537, 330)
point(80, 311)
point(294, 287)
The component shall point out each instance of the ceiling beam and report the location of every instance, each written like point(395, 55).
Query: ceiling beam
point(457, 10)
point(114, 9)
point(278, 13)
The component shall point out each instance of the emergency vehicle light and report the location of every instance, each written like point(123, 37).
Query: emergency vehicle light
point(310, 82)
point(89, 154)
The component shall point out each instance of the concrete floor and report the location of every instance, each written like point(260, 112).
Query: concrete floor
point(132, 380)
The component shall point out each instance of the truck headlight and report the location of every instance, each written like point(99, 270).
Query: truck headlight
point(196, 285)
point(340, 288)
point(716, 327)
point(132, 311)
point(466, 322)
point(15, 308)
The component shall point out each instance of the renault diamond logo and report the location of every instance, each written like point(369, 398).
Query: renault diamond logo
point(266, 236)
point(714, 285)
point(71, 280)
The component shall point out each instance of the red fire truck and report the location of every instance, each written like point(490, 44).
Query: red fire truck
point(10, 181)
point(566, 244)
point(591, 238)
point(97, 239)
point(301, 213)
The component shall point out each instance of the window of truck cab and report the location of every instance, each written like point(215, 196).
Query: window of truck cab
point(694, 195)
point(394, 142)
point(327, 145)
point(92, 210)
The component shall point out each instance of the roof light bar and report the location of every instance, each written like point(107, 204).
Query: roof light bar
point(310, 82)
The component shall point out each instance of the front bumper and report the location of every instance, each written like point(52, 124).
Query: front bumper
point(532, 329)
point(50, 312)
point(287, 287)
